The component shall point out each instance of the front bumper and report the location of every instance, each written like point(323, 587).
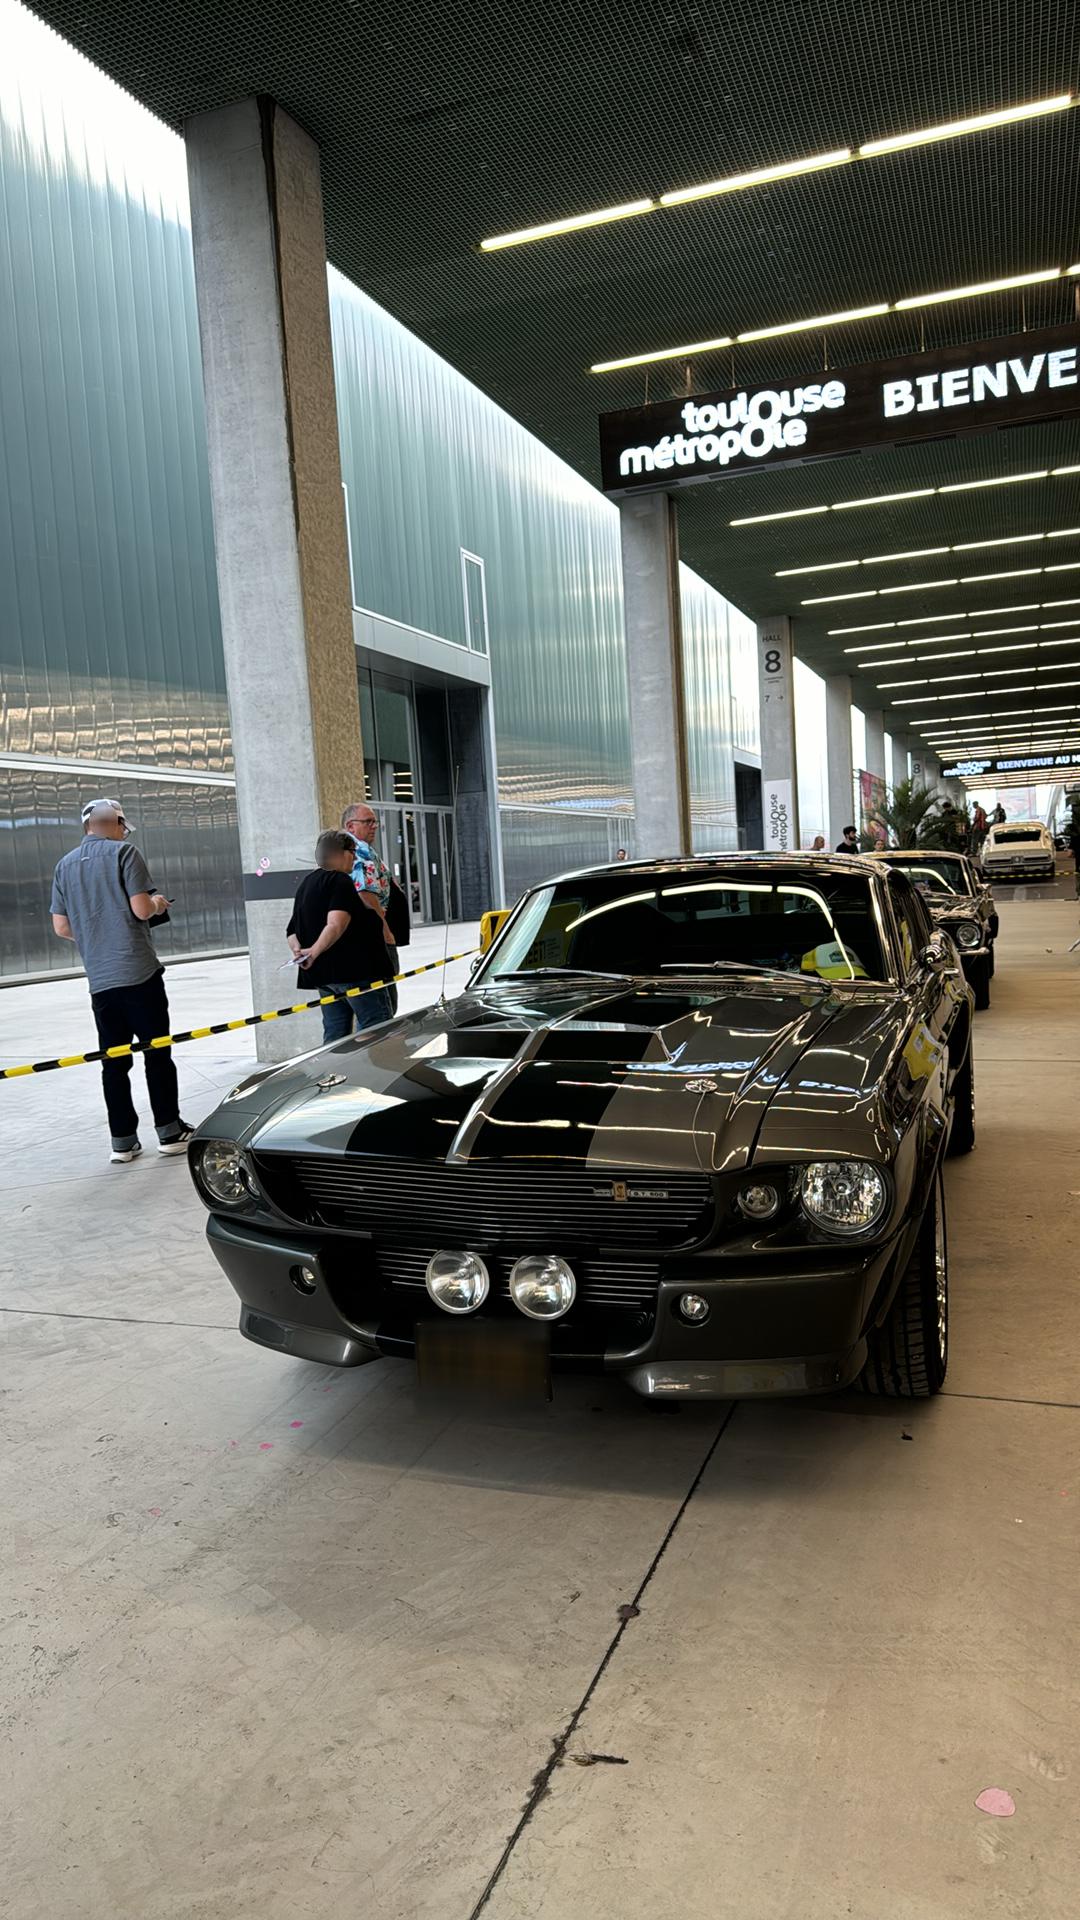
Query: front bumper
point(974, 961)
point(770, 1331)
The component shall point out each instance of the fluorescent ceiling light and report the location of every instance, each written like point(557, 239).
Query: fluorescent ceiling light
point(549, 228)
point(1003, 540)
point(666, 353)
point(875, 626)
point(811, 326)
point(828, 599)
point(981, 287)
point(924, 553)
point(793, 513)
point(1007, 480)
point(884, 499)
point(976, 124)
point(735, 182)
point(917, 586)
point(1014, 573)
point(912, 493)
point(783, 170)
point(836, 319)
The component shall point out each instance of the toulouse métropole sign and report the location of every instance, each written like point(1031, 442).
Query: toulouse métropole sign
point(999, 383)
point(1027, 763)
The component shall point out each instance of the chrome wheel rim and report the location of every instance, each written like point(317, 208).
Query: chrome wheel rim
point(941, 1279)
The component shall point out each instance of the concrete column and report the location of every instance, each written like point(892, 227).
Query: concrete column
point(899, 769)
point(654, 666)
point(838, 756)
point(920, 776)
point(779, 767)
point(875, 743)
point(279, 517)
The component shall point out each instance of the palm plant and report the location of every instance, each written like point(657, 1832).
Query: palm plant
point(908, 814)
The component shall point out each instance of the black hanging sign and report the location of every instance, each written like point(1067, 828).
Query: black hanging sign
point(998, 383)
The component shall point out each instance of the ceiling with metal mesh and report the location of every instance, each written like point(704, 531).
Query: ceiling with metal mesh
point(440, 125)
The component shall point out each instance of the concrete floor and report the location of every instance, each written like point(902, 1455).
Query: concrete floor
point(283, 1644)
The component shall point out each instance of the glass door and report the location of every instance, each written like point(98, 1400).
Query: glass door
point(434, 863)
point(412, 869)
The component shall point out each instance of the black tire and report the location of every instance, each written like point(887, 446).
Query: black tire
point(991, 963)
point(908, 1356)
point(962, 1137)
point(979, 982)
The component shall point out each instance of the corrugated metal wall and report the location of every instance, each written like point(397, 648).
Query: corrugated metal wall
point(110, 645)
point(109, 637)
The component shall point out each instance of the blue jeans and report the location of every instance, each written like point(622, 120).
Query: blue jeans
point(367, 1010)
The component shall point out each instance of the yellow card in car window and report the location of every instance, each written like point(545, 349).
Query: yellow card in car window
point(830, 962)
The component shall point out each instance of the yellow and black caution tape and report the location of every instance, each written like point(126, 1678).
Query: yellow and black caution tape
point(225, 1026)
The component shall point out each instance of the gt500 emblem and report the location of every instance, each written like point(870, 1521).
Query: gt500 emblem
point(620, 1190)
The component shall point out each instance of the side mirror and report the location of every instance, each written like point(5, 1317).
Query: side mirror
point(490, 925)
point(936, 955)
point(474, 963)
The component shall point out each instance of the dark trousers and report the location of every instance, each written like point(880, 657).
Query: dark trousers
point(367, 1010)
point(124, 1014)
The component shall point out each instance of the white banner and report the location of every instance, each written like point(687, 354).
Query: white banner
point(779, 823)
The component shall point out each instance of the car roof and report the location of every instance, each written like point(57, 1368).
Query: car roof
point(917, 853)
point(1003, 826)
point(708, 862)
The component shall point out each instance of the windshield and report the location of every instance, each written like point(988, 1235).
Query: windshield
point(1006, 835)
point(639, 923)
point(942, 874)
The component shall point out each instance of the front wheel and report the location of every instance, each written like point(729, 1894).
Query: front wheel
point(908, 1356)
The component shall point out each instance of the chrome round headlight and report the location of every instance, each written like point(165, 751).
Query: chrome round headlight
point(457, 1282)
point(221, 1167)
point(543, 1286)
point(843, 1196)
point(966, 934)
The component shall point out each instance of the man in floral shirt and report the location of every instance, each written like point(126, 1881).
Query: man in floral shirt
point(371, 876)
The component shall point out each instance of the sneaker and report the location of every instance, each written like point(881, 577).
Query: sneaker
point(180, 1144)
point(121, 1155)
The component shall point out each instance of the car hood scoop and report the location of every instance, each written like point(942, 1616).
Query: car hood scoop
point(570, 1071)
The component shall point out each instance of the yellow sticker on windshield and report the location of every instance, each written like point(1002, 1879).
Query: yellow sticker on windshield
point(830, 962)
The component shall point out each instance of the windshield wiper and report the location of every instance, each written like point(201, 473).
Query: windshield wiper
point(579, 973)
point(735, 966)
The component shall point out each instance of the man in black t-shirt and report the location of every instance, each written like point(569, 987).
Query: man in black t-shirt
point(337, 941)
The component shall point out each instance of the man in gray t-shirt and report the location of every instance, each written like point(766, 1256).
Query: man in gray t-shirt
point(102, 900)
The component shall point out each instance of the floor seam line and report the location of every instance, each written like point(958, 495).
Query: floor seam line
point(542, 1780)
point(1009, 1399)
point(121, 1319)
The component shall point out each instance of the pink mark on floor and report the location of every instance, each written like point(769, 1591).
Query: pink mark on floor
point(995, 1800)
point(296, 1423)
point(265, 1446)
point(155, 1511)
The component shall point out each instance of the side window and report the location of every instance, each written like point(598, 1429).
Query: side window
point(913, 922)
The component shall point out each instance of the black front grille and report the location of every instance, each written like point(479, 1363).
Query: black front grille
point(616, 1282)
point(480, 1205)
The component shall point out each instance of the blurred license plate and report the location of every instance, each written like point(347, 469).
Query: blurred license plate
point(485, 1356)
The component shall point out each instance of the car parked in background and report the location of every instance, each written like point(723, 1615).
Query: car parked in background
point(687, 1124)
point(960, 902)
point(1019, 850)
